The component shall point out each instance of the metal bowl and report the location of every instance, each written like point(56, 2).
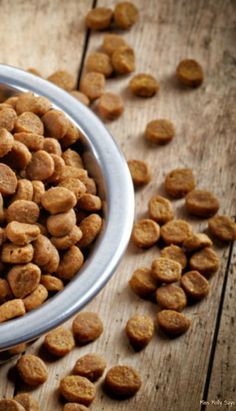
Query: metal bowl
point(107, 166)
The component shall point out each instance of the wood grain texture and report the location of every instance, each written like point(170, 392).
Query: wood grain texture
point(173, 371)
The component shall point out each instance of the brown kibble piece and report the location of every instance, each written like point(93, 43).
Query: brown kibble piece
point(10, 405)
point(99, 18)
point(80, 97)
point(174, 252)
point(61, 224)
point(19, 156)
point(38, 191)
point(223, 228)
point(139, 171)
point(79, 389)
point(56, 124)
point(165, 270)
point(62, 79)
point(87, 327)
point(51, 283)
point(125, 15)
point(73, 172)
point(71, 136)
point(41, 166)
point(11, 309)
point(28, 402)
point(90, 227)
point(29, 123)
point(36, 298)
point(32, 141)
point(89, 202)
point(89, 184)
point(142, 282)
point(160, 209)
point(24, 190)
point(111, 42)
point(58, 200)
point(52, 146)
point(21, 233)
point(179, 182)
point(12, 101)
point(144, 85)
point(38, 105)
point(32, 370)
point(42, 250)
point(52, 265)
point(59, 164)
point(24, 279)
point(205, 261)
point(195, 285)
point(14, 254)
point(6, 142)
point(110, 106)
point(176, 232)
point(8, 180)
point(70, 263)
point(65, 242)
point(8, 118)
point(122, 381)
point(145, 233)
point(190, 73)
point(172, 323)
point(5, 291)
point(59, 342)
point(139, 330)
point(23, 211)
point(74, 185)
point(2, 214)
point(72, 158)
point(17, 349)
point(196, 241)
point(99, 63)
point(92, 85)
point(201, 203)
point(73, 406)
point(159, 131)
point(171, 297)
point(123, 60)
point(90, 366)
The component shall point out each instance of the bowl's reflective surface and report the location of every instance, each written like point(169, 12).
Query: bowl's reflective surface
point(108, 167)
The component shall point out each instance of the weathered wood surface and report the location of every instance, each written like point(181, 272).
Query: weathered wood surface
point(175, 373)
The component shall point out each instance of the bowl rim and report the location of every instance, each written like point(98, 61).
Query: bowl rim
point(111, 244)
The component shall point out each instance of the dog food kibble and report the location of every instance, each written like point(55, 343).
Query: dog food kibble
point(99, 18)
point(179, 182)
point(142, 282)
point(174, 252)
point(190, 73)
point(52, 146)
point(24, 279)
point(166, 270)
point(201, 203)
point(195, 285)
point(87, 327)
point(110, 106)
point(172, 322)
point(73, 172)
point(36, 298)
point(139, 171)
point(145, 233)
point(81, 97)
point(176, 232)
point(99, 63)
point(41, 166)
point(23, 211)
point(36, 104)
point(11, 309)
point(77, 388)
point(62, 79)
point(123, 60)
point(90, 227)
point(171, 297)
point(205, 261)
point(196, 241)
point(52, 265)
point(21, 233)
point(111, 42)
point(19, 156)
point(73, 406)
point(8, 180)
point(58, 200)
point(7, 141)
point(59, 164)
point(5, 291)
point(33, 141)
point(42, 250)
point(24, 190)
point(143, 85)
point(222, 227)
point(71, 136)
point(92, 85)
point(61, 224)
point(67, 241)
point(32, 370)
point(18, 349)
point(125, 15)
point(55, 123)
point(160, 209)
point(72, 158)
point(28, 402)
point(51, 283)
point(139, 330)
point(59, 342)
point(89, 202)
point(70, 263)
point(10, 405)
point(90, 366)
point(14, 254)
point(159, 131)
point(8, 118)
point(29, 122)
point(122, 381)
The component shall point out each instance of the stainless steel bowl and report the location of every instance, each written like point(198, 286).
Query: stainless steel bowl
point(107, 165)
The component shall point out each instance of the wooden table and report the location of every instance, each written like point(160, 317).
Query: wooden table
point(50, 35)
